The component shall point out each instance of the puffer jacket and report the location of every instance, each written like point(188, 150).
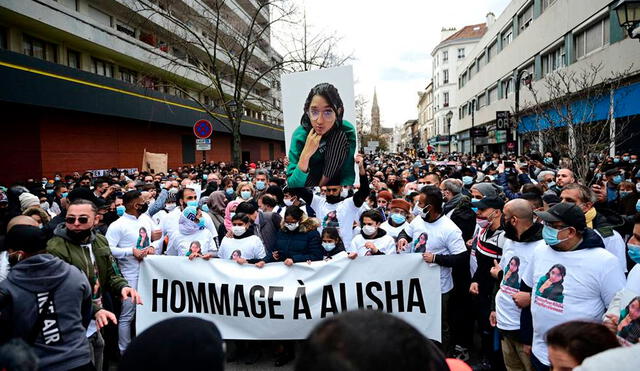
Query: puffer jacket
point(301, 244)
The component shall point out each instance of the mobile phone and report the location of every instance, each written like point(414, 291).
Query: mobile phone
point(508, 164)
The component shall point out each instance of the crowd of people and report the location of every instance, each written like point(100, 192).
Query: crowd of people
point(538, 266)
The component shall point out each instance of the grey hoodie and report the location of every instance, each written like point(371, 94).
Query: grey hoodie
point(62, 343)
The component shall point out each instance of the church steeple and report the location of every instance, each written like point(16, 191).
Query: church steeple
point(375, 114)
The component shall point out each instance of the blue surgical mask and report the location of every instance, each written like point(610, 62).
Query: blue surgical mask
point(328, 246)
point(65, 194)
point(616, 160)
point(192, 203)
point(120, 210)
point(618, 179)
point(625, 158)
point(633, 161)
point(204, 176)
point(634, 252)
point(260, 185)
point(204, 208)
point(548, 160)
point(229, 191)
point(398, 218)
point(49, 191)
point(201, 224)
point(467, 180)
point(638, 206)
point(245, 195)
point(550, 235)
point(475, 209)
point(551, 184)
point(624, 194)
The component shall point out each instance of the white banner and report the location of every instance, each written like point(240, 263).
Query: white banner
point(280, 302)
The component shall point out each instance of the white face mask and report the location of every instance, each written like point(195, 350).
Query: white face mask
point(288, 202)
point(344, 193)
point(292, 226)
point(369, 230)
point(238, 230)
point(417, 210)
point(328, 246)
point(170, 207)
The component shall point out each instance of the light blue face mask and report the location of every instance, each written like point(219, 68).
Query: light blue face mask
point(204, 208)
point(201, 224)
point(204, 176)
point(245, 195)
point(120, 210)
point(634, 252)
point(616, 160)
point(229, 191)
point(551, 184)
point(398, 218)
point(618, 179)
point(638, 206)
point(192, 203)
point(550, 235)
point(260, 185)
point(64, 194)
point(548, 160)
point(467, 180)
point(624, 194)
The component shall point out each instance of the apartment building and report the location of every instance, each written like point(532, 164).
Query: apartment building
point(533, 39)
point(100, 81)
point(425, 114)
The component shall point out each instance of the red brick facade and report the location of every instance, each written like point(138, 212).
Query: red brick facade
point(40, 142)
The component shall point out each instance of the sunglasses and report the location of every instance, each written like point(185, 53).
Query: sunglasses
point(81, 219)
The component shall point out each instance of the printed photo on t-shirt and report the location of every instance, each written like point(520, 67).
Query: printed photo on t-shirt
point(420, 243)
point(143, 238)
point(330, 220)
point(195, 247)
point(236, 254)
point(550, 285)
point(511, 276)
point(629, 322)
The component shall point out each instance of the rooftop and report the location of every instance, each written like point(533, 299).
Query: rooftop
point(473, 31)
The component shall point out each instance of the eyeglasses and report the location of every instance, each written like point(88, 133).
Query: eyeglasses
point(327, 114)
point(80, 219)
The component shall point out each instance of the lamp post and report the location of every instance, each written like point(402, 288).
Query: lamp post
point(517, 107)
point(473, 123)
point(448, 117)
point(628, 12)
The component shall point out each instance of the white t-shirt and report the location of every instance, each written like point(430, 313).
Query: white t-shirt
point(581, 284)
point(385, 244)
point(340, 215)
point(615, 245)
point(515, 257)
point(171, 222)
point(442, 237)
point(249, 248)
point(126, 233)
point(393, 231)
point(182, 243)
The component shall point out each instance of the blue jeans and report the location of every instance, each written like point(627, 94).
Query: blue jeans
point(537, 365)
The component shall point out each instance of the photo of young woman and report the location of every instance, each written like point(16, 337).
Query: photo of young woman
point(511, 277)
point(323, 145)
point(550, 285)
point(629, 324)
point(143, 239)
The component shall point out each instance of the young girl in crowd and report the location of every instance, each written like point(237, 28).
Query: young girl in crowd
point(331, 242)
point(372, 239)
point(242, 238)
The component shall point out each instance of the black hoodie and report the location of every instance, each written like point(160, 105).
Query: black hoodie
point(62, 343)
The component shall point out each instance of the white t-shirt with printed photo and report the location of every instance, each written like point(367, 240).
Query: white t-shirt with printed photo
point(442, 237)
point(567, 286)
point(341, 215)
point(249, 248)
point(385, 244)
point(515, 259)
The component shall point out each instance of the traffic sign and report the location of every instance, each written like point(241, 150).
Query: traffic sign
point(203, 144)
point(502, 120)
point(202, 129)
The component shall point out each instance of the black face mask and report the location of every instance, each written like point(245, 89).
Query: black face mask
point(109, 217)
point(332, 199)
point(79, 236)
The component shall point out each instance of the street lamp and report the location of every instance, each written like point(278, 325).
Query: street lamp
point(629, 16)
point(448, 117)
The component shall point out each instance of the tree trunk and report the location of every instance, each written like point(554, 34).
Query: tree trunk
point(236, 149)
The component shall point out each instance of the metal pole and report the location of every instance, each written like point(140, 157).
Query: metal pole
point(473, 122)
point(449, 132)
point(517, 109)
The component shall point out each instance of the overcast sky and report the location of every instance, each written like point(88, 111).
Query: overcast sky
point(392, 43)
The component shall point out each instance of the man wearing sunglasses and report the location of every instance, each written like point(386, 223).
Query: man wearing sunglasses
point(76, 242)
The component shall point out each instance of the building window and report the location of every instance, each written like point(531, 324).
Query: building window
point(73, 4)
point(472, 69)
point(445, 99)
point(525, 18)
point(40, 49)
point(445, 76)
point(102, 68)
point(3, 38)
point(125, 28)
point(593, 38)
point(128, 75)
point(100, 16)
point(553, 60)
point(482, 100)
point(481, 61)
point(492, 51)
point(546, 4)
point(460, 53)
point(507, 87)
point(507, 37)
point(493, 95)
point(73, 59)
point(445, 56)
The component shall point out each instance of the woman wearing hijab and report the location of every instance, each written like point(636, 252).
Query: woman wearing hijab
point(217, 203)
point(229, 212)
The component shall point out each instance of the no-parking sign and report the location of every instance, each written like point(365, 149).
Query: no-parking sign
point(202, 129)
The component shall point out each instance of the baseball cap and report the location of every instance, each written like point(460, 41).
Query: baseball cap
point(566, 212)
point(489, 203)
